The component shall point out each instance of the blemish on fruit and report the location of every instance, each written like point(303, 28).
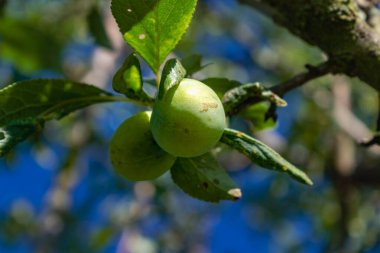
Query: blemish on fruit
point(129, 10)
point(142, 36)
point(205, 185)
point(208, 105)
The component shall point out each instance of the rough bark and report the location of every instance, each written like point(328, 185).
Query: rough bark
point(336, 27)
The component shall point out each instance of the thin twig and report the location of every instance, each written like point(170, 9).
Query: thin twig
point(312, 72)
point(296, 82)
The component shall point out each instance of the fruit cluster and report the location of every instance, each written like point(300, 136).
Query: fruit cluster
point(186, 122)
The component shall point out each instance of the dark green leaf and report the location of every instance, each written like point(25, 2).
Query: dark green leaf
point(128, 80)
point(3, 4)
point(221, 85)
point(96, 28)
point(17, 131)
point(25, 106)
point(153, 27)
point(262, 155)
point(192, 64)
point(256, 114)
point(172, 74)
point(203, 178)
point(238, 96)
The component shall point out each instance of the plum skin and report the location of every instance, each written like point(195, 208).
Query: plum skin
point(134, 154)
point(189, 120)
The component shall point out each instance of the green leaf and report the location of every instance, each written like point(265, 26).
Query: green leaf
point(251, 92)
point(100, 238)
point(203, 178)
point(96, 27)
point(256, 114)
point(262, 155)
point(153, 27)
point(28, 46)
point(221, 85)
point(128, 80)
point(172, 74)
point(192, 64)
point(26, 105)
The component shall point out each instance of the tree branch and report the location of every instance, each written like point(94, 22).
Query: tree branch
point(336, 27)
point(375, 140)
point(237, 99)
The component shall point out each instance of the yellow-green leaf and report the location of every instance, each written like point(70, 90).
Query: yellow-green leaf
point(128, 80)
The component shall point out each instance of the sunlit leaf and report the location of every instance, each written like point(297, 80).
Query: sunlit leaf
point(153, 27)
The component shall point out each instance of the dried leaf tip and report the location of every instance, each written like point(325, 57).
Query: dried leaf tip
point(235, 193)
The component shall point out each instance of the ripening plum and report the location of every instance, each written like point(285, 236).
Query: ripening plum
point(135, 154)
point(189, 120)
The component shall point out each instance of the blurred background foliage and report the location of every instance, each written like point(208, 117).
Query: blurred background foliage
point(59, 193)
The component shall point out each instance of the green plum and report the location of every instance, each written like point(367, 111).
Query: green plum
point(135, 154)
point(188, 120)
